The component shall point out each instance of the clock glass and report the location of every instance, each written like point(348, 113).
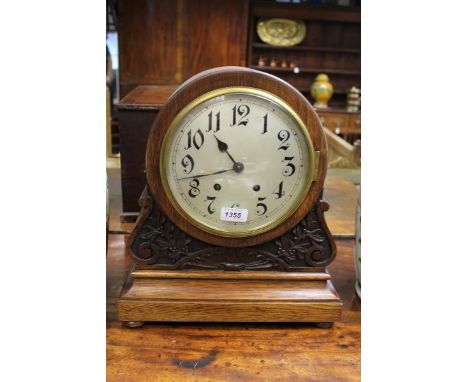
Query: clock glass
point(237, 162)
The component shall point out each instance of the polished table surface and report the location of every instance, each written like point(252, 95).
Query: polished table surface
point(238, 352)
point(235, 352)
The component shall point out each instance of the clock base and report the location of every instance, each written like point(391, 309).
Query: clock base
point(134, 324)
point(224, 296)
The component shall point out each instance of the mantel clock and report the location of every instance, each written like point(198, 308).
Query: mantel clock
point(232, 223)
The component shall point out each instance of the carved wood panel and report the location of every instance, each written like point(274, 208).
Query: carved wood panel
point(158, 243)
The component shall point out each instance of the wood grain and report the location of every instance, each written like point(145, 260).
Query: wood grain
point(332, 45)
point(234, 352)
point(306, 11)
point(215, 296)
point(211, 38)
point(137, 112)
point(157, 243)
point(147, 44)
point(147, 97)
point(342, 217)
point(229, 275)
point(346, 122)
point(167, 41)
point(231, 77)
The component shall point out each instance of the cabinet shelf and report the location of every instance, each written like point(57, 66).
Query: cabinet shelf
point(310, 12)
point(306, 48)
point(331, 45)
point(307, 70)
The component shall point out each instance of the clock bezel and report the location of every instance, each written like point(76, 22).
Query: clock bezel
point(209, 96)
point(213, 83)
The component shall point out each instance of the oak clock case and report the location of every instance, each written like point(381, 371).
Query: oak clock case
point(232, 223)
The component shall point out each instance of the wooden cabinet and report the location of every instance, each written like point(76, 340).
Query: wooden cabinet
point(342, 123)
point(332, 45)
point(354, 124)
point(137, 112)
point(168, 41)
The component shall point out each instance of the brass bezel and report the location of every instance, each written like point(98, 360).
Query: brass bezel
point(313, 160)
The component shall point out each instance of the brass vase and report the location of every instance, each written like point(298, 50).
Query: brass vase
point(321, 90)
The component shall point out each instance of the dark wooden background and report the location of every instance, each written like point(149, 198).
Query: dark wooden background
point(165, 42)
point(168, 41)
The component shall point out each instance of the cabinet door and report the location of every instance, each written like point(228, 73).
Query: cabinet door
point(335, 122)
point(354, 126)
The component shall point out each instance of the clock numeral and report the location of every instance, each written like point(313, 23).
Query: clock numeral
point(262, 207)
point(291, 169)
point(194, 190)
point(242, 111)
point(187, 164)
point(197, 140)
point(210, 121)
point(280, 192)
point(189, 140)
point(283, 136)
point(209, 209)
point(265, 123)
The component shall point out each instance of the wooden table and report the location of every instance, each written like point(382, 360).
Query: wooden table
point(234, 352)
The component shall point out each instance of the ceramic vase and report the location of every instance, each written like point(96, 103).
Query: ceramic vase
point(321, 90)
point(353, 101)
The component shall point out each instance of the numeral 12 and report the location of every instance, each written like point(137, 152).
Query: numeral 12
point(241, 110)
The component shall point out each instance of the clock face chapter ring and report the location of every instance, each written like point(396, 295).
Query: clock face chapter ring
point(235, 165)
point(288, 146)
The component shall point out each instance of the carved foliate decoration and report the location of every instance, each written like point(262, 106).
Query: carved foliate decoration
point(156, 241)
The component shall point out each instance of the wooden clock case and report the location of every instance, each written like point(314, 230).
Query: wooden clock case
point(182, 273)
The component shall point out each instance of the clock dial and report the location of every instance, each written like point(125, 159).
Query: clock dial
point(236, 162)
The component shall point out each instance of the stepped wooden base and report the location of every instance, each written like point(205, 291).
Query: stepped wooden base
point(221, 296)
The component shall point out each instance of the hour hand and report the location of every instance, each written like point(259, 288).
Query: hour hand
point(223, 147)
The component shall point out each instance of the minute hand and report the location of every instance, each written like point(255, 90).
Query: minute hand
point(199, 176)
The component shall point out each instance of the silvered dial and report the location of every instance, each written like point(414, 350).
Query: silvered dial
point(239, 152)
